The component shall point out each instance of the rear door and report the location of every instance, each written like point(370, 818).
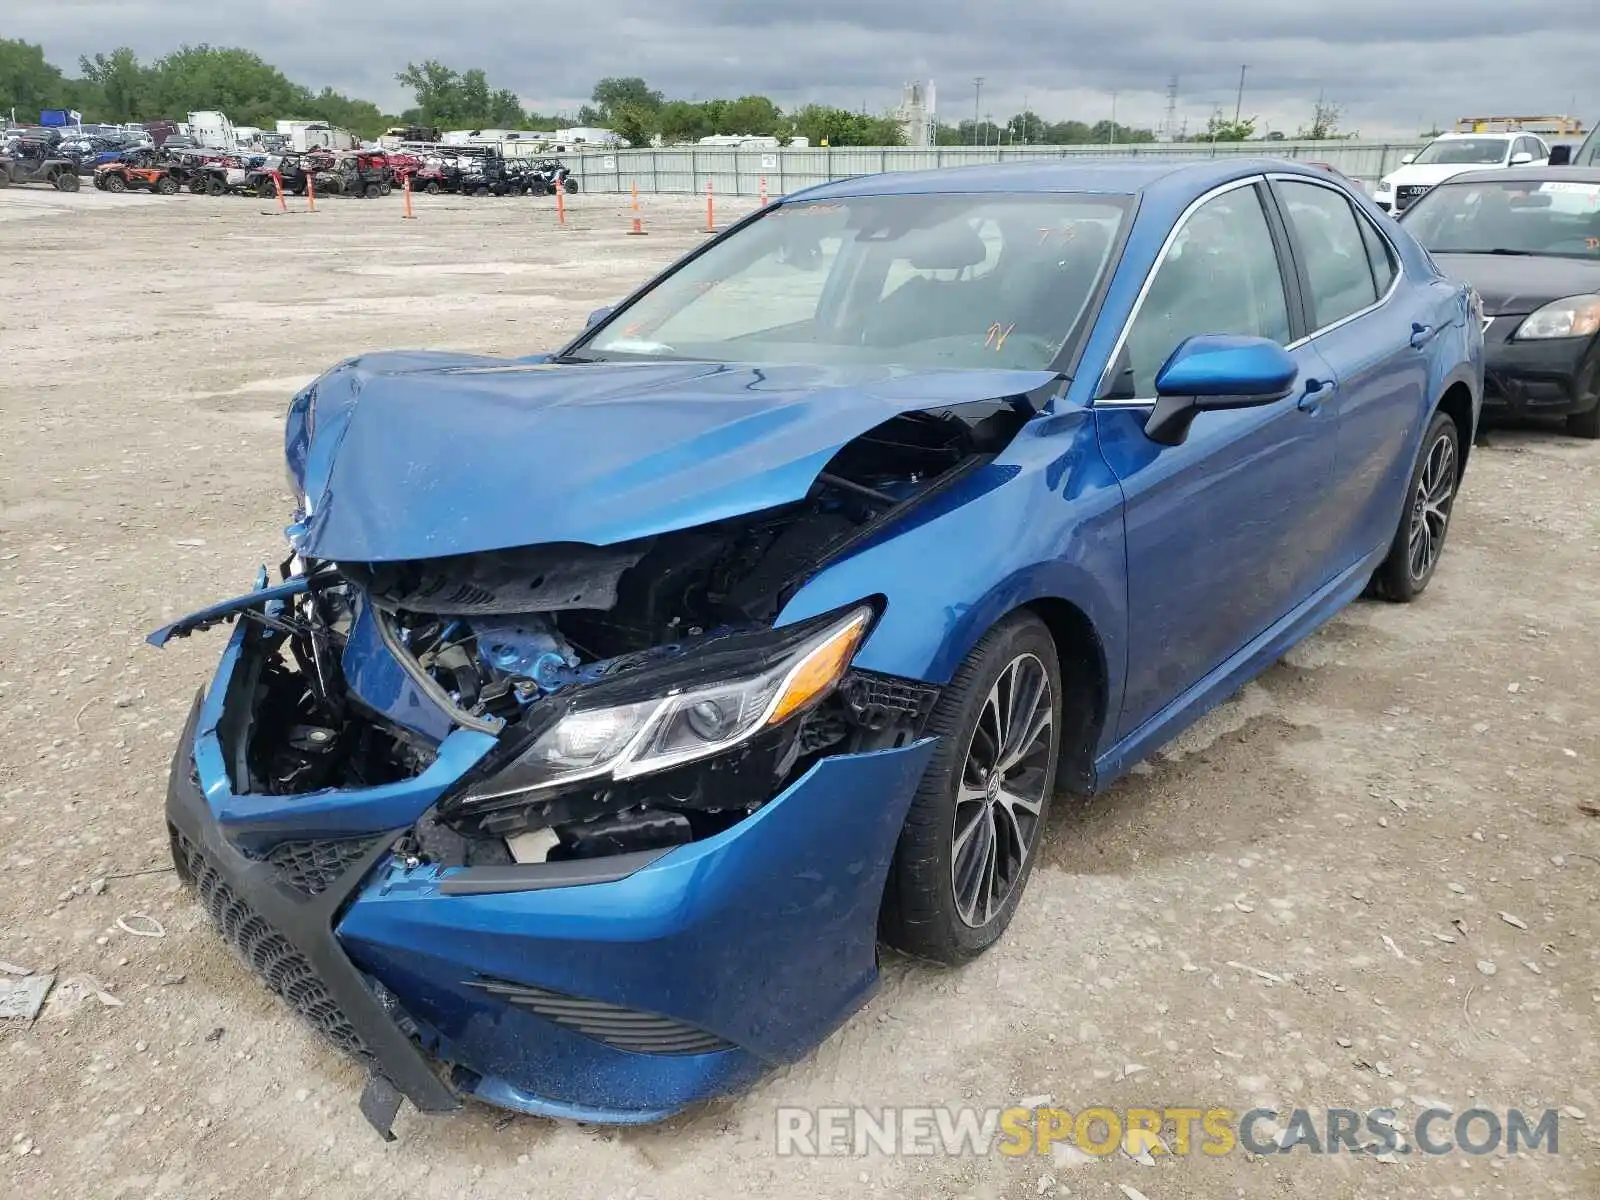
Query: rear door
point(1224, 531)
point(1373, 331)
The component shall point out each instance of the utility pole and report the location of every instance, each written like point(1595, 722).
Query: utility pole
point(977, 101)
point(1111, 138)
point(1238, 103)
point(1026, 121)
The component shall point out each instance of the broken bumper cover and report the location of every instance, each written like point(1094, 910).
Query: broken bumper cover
point(1543, 377)
point(617, 993)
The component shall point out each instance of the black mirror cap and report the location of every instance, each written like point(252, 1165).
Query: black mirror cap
point(1173, 415)
point(1560, 156)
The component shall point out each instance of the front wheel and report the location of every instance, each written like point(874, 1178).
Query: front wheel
point(1585, 424)
point(972, 833)
point(1419, 541)
point(66, 181)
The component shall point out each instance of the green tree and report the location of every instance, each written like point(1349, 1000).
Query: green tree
point(840, 127)
point(27, 82)
point(612, 95)
point(632, 124)
point(1220, 129)
point(754, 115)
point(120, 83)
point(1324, 122)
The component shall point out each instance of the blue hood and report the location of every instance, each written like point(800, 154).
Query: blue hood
point(422, 455)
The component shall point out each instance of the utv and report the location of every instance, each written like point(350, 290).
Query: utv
point(38, 162)
point(136, 170)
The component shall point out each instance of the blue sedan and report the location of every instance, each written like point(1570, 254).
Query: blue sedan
point(611, 706)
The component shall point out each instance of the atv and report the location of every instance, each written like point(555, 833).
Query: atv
point(38, 162)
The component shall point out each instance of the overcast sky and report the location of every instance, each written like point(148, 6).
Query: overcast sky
point(1392, 67)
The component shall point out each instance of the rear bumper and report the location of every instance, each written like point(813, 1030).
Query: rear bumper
point(1550, 377)
point(620, 996)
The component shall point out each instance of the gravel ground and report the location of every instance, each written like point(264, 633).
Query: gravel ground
point(1369, 879)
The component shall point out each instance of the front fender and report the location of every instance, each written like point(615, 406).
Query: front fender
point(1043, 520)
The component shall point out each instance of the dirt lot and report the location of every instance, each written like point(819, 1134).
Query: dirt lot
point(1367, 880)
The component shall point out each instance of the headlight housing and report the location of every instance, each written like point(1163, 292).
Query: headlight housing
point(1576, 316)
point(1384, 187)
point(708, 703)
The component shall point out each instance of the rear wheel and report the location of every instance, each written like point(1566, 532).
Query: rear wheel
point(215, 187)
point(374, 191)
point(1419, 541)
point(385, 188)
point(167, 186)
point(570, 184)
point(66, 181)
point(433, 187)
point(970, 837)
point(115, 182)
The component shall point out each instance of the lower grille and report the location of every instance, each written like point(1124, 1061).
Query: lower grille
point(268, 953)
point(311, 868)
point(622, 1028)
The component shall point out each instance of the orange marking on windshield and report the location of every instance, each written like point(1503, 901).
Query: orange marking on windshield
point(997, 335)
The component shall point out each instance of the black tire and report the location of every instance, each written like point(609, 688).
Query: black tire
point(66, 181)
point(166, 186)
point(924, 912)
point(1585, 424)
point(114, 182)
point(385, 188)
point(433, 187)
point(570, 184)
point(1430, 498)
point(215, 187)
point(197, 186)
point(374, 191)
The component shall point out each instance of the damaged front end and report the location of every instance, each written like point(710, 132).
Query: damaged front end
point(578, 829)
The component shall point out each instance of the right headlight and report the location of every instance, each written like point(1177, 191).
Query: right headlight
point(1385, 187)
point(689, 721)
point(1576, 316)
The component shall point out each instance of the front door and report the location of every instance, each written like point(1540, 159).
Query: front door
point(1223, 530)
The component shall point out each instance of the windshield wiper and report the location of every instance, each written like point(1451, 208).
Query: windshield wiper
point(1496, 250)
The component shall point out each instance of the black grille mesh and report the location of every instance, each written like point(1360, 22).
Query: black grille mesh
point(311, 868)
point(623, 1028)
point(269, 954)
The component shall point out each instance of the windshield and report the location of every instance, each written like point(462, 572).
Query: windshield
point(1461, 151)
point(919, 282)
point(1556, 217)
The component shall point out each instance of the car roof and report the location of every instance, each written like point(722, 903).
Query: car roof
point(1540, 174)
point(1110, 176)
point(1487, 133)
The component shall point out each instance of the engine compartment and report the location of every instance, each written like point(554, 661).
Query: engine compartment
point(489, 640)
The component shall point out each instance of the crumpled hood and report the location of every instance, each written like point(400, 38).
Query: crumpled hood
point(1514, 284)
point(422, 455)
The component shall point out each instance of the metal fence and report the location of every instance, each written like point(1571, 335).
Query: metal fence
point(732, 171)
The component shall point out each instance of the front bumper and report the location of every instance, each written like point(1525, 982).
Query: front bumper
point(1545, 377)
point(620, 995)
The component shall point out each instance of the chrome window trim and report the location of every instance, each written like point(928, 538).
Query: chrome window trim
point(1394, 253)
point(1144, 289)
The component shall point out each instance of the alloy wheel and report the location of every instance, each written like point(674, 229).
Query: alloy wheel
point(1002, 790)
point(1430, 507)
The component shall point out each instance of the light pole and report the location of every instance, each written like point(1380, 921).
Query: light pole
point(1238, 103)
point(977, 101)
point(1111, 138)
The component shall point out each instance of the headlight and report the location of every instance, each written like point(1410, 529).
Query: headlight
point(689, 721)
point(1576, 316)
point(1384, 187)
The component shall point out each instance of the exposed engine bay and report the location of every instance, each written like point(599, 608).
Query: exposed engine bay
point(374, 664)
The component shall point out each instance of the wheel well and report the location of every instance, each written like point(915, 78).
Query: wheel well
point(1083, 684)
point(1456, 403)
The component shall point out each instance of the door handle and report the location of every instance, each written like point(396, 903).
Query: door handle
point(1317, 391)
point(1422, 334)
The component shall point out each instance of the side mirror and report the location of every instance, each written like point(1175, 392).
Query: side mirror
point(598, 315)
point(1408, 158)
point(1560, 156)
point(1214, 372)
point(1521, 158)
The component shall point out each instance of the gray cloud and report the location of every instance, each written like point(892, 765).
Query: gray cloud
point(1390, 66)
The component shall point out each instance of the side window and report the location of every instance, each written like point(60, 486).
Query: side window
point(1221, 275)
point(1335, 254)
point(1379, 256)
